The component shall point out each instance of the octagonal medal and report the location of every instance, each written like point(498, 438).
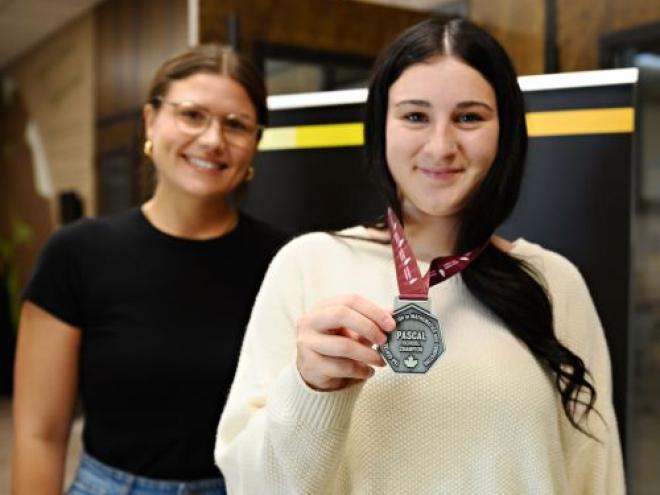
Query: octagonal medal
point(416, 342)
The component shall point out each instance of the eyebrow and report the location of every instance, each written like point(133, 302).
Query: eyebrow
point(204, 107)
point(242, 115)
point(419, 103)
point(461, 105)
point(467, 104)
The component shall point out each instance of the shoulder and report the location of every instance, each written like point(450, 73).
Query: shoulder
point(576, 319)
point(94, 230)
point(546, 262)
point(335, 251)
point(87, 235)
point(312, 242)
point(71, 235)
point(347, 241)
point(561, 278)
point(94, 225)
point(73, 232)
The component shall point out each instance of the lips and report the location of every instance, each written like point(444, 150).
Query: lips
point(205, 164)
point(440, 173)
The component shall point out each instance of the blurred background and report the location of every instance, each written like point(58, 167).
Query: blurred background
point(73, 78)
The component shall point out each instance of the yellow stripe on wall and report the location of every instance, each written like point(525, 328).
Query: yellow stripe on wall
point(539, 124)
point(330, 135)
point(312, 136)
point(584, 121)
point(278, 138)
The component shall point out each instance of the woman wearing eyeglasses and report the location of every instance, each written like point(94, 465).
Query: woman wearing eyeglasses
point(143, 312)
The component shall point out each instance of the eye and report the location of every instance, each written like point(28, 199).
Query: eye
point(193, 115)
point(233, 123)
point(416, 117)
point(469, 118)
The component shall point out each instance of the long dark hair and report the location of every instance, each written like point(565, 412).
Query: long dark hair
point(509, 287)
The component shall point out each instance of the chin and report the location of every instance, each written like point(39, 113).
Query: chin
point(206, 193)
point(438, 210)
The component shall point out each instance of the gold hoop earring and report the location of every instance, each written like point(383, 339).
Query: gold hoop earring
point(250, 174)
point(148, 147)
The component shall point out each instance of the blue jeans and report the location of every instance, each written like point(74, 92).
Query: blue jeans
point(95, 478)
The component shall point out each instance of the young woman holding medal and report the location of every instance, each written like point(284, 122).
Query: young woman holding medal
point(493, 381)
point(143, 312)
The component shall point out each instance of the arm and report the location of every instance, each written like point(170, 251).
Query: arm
point(594, 467)
point(46, 383)
point(284, 425)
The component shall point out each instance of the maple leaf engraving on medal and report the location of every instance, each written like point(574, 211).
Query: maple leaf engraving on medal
point(410, 361)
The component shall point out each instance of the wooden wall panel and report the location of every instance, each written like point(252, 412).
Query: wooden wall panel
point(582, 22)
point(518, 26)
point(133, 37)
point(363, 29)
point(56, 84)
point(623, 14)
point(341, 26)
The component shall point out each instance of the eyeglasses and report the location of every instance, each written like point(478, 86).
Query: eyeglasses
point(194, 119)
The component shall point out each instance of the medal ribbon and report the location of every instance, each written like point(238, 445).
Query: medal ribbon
point(411, 283)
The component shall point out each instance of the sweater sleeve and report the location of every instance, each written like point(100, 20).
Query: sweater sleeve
point(594, 466)
point(276, 434)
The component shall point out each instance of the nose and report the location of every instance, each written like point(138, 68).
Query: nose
point(442, 143)
point(213, 136)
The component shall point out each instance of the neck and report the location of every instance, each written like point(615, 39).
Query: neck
point(190, 218)
point(430, 236)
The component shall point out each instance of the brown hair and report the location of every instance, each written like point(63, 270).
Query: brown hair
point(211, 58)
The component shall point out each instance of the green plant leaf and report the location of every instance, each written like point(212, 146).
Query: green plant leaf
point(21, 234)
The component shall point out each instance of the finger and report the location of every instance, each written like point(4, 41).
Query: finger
point(358, 338)
point(342, 347)
point(331, 319)
point(335, 367)
point(379, 315)
point(347, 332)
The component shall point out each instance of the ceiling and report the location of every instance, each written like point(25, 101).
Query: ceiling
point(25, 23)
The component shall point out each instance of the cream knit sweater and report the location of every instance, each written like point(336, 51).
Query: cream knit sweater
point(486, 419)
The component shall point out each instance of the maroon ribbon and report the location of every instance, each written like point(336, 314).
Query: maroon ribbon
point(412, 285)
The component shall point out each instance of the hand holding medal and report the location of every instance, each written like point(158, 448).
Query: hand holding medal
point(335, 341)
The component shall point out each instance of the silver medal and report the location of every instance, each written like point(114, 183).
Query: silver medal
point(416, 342)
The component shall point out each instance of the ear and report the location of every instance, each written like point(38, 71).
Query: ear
point(149, 114)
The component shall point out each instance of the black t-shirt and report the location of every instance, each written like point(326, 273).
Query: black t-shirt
point(162, 321)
